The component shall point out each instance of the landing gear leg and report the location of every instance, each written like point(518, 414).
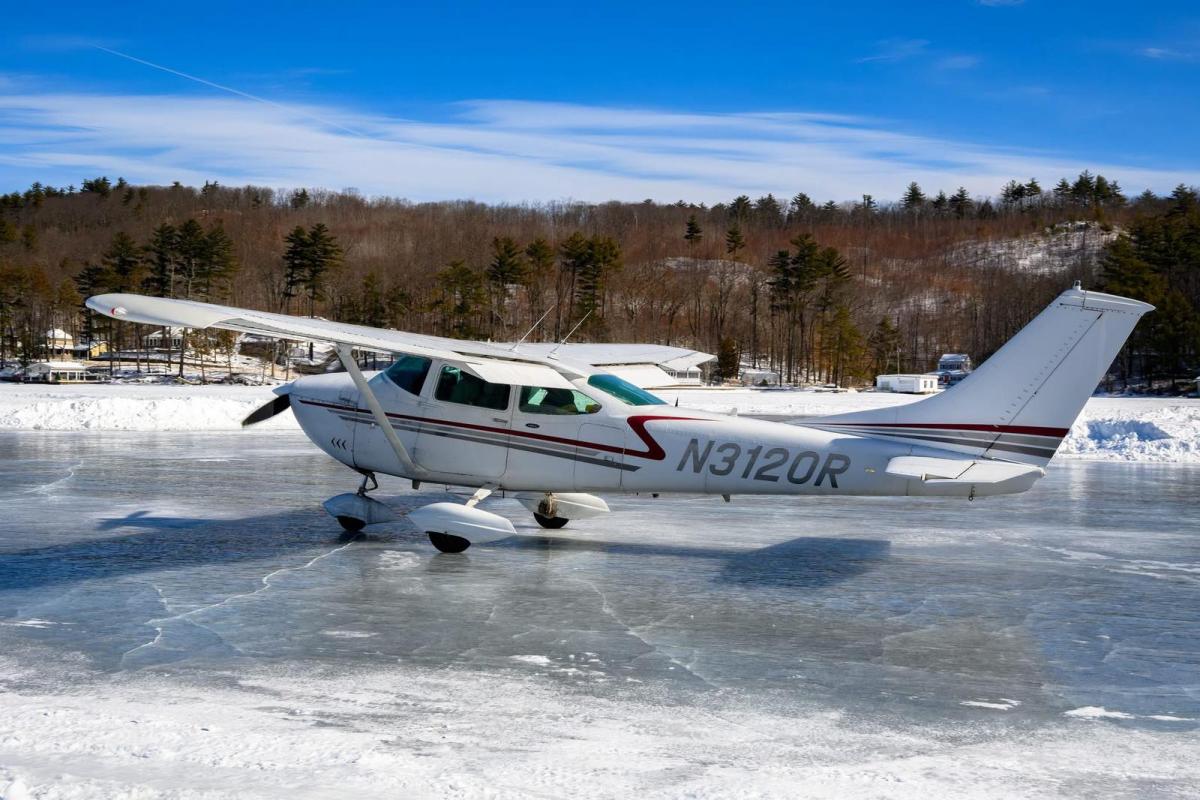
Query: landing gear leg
point(356, 511)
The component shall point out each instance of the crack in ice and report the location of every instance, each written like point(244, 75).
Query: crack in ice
point(44, 488)
point(607, 609)
point(161, 623)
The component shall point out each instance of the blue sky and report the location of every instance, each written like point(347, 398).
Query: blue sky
point(603, 100)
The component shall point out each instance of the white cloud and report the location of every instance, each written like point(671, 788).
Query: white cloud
point(504, 150)
point(958, 62)
point(896, 50)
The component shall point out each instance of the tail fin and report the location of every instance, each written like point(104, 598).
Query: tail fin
point(1022, 401)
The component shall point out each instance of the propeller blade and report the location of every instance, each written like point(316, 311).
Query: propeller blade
point(269, 409)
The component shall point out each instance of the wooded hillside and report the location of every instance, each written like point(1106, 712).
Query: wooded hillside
point(832, 292)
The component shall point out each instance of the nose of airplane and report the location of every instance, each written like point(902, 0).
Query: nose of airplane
point(324, 406)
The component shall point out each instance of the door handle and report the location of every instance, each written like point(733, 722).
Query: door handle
point(499, 419)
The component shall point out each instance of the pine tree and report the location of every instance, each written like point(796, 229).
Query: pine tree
point(295, 265)
point(299, 198)
point(740, 208)
point(735, 242)
point(1062, 192)
point(163, 251)
point(324, 256)
point(507, 267)
point(940, 202)
point(124, 264)
point(768, 211)
point(960, 203)
point(884, 344)
point(693, 234)
point(727, 359)
point(801, 208)
point(914, 198)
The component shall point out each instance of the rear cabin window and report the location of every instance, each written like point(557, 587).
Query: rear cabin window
point(457, 386)
point(409, 373)
point(546, 400)
point(624, 391)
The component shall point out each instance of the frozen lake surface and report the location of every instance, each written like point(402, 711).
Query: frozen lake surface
point(178, 614)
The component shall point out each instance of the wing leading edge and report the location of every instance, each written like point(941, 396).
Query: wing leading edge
point(487, 361)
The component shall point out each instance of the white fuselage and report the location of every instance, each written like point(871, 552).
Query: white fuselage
point(619, 448)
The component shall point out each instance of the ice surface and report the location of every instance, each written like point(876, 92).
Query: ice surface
point(1163, 430)
point(177, 613)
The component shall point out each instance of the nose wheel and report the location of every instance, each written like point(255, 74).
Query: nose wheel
point(448, 542)
point(549, 522)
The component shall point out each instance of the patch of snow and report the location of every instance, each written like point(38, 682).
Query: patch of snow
point(1097, 712)
point(541, 661)
point(1003, 705)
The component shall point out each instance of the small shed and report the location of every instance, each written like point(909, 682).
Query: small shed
point(758, 376)
point(907, 384)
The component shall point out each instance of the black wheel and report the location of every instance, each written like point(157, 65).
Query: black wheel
point(351, 524)
point(448, 542)
point(549, 522)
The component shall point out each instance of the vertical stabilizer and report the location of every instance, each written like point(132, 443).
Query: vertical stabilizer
point(1023, 400)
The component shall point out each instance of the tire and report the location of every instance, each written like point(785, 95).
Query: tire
point(351, 524)
point(549, 522)
point(448, 542)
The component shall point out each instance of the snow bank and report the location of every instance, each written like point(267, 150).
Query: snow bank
point(1110, 428)
point(133, 407)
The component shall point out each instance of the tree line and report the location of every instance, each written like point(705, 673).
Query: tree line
point(817, 291)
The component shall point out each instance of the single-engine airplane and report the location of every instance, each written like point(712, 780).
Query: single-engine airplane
point(551, 430)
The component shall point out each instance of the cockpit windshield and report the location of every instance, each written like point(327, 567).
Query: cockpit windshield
point(624, 391)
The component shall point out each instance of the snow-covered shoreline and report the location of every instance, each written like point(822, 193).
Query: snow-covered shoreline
point(1161, 430)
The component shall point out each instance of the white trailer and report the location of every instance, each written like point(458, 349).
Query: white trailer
point(907, 384)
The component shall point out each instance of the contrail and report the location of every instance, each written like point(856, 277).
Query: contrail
point(238, 92)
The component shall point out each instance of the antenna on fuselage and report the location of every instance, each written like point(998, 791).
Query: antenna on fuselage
point(531, 330)
point(568, 336)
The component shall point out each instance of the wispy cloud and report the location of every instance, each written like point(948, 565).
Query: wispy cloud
point(1167, 54)
point(896, 50)
point(958, 62)
point(502, 150)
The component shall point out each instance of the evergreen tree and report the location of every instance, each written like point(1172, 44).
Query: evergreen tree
point(728, 359)
point(801, 208)
point(740, 208)
point(960, 203)
point(295, 265)
point(693, 234)
point(324, 256)
point(507, 267)
point(163, 251)
point(884, 346)
point(940, 203)
point(735, 242)
point(299, 198)
point(768, 211)
point(124, 264)
point(914, 198)
point(461, 298)
point(1062, 192)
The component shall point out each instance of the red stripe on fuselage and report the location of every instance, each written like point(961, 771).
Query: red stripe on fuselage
point(1030, 430)
point(653, 452)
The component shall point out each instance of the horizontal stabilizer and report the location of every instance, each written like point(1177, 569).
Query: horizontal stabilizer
point(955, 470)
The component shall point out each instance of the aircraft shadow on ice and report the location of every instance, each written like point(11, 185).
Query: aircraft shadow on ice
point(804, 562)
point(175, 542)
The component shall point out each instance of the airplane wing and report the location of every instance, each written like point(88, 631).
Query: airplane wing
point(959, 470)
point(491, 362)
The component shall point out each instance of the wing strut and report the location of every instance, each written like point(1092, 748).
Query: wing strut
point(346, 355)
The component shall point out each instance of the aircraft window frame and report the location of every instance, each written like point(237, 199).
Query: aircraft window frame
point(407, 386)
point(570, 407)
point(467, 379)
point(623, 390)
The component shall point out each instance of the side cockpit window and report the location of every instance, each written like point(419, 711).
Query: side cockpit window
point(456, 386)
point(408, 372)
point(545, 400)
